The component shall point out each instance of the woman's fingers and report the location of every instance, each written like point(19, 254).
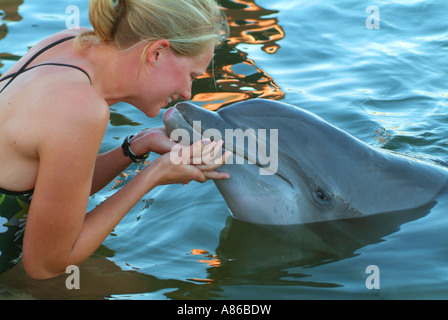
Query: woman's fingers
point(216, 163)
point(202, 152)
point(215, 175)
point(212, 153)
point(186, 154)
point(205, 156)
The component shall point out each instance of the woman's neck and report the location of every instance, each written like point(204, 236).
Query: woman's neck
point(114, 71)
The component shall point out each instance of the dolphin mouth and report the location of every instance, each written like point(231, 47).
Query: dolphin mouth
point(175, 119)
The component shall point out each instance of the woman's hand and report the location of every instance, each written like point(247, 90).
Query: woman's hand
point(196, 162)
point(152, 140)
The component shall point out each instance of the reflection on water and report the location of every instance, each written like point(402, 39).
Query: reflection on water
point(250, 23)
point(8, 12)
point(233, 76)
point(246, 254)
point(281, 255)
point(177, 243)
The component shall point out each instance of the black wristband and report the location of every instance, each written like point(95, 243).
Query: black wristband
point(126, 146)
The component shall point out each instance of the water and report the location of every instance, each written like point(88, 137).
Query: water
point(386, 86)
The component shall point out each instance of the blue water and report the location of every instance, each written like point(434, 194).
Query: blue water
point(386, 86)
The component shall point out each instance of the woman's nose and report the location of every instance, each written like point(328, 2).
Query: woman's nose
point(186, 95)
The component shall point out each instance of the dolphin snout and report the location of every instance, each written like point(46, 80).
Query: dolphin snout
point(169, 113)
point(173, 120)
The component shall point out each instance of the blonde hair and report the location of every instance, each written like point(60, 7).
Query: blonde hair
point(189, 25)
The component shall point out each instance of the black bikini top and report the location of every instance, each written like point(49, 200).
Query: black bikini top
point(27, 63)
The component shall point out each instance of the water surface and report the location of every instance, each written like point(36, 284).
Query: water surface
point(385, 86)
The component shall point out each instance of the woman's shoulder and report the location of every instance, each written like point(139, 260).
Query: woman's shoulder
point(60, 83)
point(37, 49)
point(61, 35)
point(69, 111)
point(65, 94)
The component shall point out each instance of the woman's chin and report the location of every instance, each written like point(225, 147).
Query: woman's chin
point(154, 111)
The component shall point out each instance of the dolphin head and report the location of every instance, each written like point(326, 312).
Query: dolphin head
point(290, 167)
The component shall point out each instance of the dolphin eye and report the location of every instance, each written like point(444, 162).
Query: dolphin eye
point(322, 197)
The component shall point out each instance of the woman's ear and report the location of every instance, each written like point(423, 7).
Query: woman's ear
point(157, 51)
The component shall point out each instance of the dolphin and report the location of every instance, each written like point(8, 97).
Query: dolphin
point(318, 172)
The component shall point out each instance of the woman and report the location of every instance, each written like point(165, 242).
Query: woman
point(55, 109)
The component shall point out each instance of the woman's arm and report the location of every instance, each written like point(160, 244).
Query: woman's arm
point(101, 221)
point(110, 164)
point(58, 231)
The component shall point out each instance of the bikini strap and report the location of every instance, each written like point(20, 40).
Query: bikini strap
point(27, 63)
point(49, 64)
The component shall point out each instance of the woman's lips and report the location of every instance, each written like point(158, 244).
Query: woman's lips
point(168, 101)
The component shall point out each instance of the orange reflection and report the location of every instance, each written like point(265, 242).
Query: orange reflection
point(120, 181)
point(207, 281)
point(198, 251)
point(10, 9)
point(248, 24)
point(232, 76)
point(213, 262)
point(228, 97)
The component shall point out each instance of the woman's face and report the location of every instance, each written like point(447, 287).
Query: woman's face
point(170, 77)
